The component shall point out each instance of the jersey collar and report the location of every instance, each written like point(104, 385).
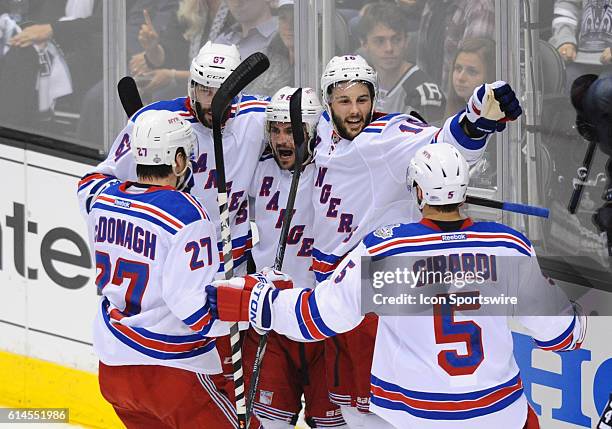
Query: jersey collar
point(431, 224)
point(143, 187)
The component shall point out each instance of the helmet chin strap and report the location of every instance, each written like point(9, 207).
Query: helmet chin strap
point(180, 176)
point(182, 172)
point(199, 113)
point(420, 201)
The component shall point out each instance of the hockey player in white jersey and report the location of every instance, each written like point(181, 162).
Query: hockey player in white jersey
point(359, 186)
point(290, 368)
point(155, 250)
point(243, 140)
point(450, 364)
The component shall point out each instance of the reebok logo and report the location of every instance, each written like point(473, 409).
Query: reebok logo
point(122, 203)
point(454, 237)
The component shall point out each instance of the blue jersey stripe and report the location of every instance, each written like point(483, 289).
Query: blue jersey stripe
point(211, 345)
point(329, 258)
point(560, 338)
point(316, 317)
point(462, 138)
point(139, 215)
point(169, 201)
point(442, 397)
point(251, 109)
point(176, 105)
point(196, 316)
point(450, 245)
point(447, 415)
point(300, 319)
point(321, 277)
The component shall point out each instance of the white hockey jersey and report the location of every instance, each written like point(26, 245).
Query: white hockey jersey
point(243, 138)
point(447, 366)
point(155, 251)
point(270, 190)
point(360, 185)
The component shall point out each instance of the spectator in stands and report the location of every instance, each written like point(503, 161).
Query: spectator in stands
point(193, 22)
point(444, 24)
point(36, 72)
point(281, 53)
point(412, 11)
point(402, 85)
point(473, 65)
point(582, 33)
point(162, 13)
point(166, 56)
point(254, 29)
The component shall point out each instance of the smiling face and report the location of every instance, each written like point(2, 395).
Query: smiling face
point(468, 73)
point(351, 108)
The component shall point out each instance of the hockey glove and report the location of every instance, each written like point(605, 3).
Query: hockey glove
point(247, 298)
point(491, 106)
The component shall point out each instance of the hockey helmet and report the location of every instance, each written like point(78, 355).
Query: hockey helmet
point(278, 111)
point(158, 134)
point(347, 68)
point(441, 172)
point(214, 63)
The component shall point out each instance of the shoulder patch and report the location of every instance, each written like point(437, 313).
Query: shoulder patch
point(386, 231)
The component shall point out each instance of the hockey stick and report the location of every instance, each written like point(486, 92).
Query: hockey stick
point(509, 207)
point(295, 113)
point(245, 73)
point(129, 95)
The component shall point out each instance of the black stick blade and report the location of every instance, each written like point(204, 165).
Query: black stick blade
point(295, 113)
point(129, 95)
point(246, 72)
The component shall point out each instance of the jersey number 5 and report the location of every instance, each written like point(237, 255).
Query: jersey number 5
point(448, 330)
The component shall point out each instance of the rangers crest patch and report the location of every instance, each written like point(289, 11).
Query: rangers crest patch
point(265, 397)
point(385, 231)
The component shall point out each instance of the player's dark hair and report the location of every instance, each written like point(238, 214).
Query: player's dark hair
point(388, 14)
point(152, 172)
point(330, 88)
point(447, 208)
point(485, 49)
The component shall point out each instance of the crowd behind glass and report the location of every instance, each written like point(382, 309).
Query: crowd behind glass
point(429, 55)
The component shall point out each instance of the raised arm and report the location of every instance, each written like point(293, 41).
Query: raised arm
point(301, 314)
